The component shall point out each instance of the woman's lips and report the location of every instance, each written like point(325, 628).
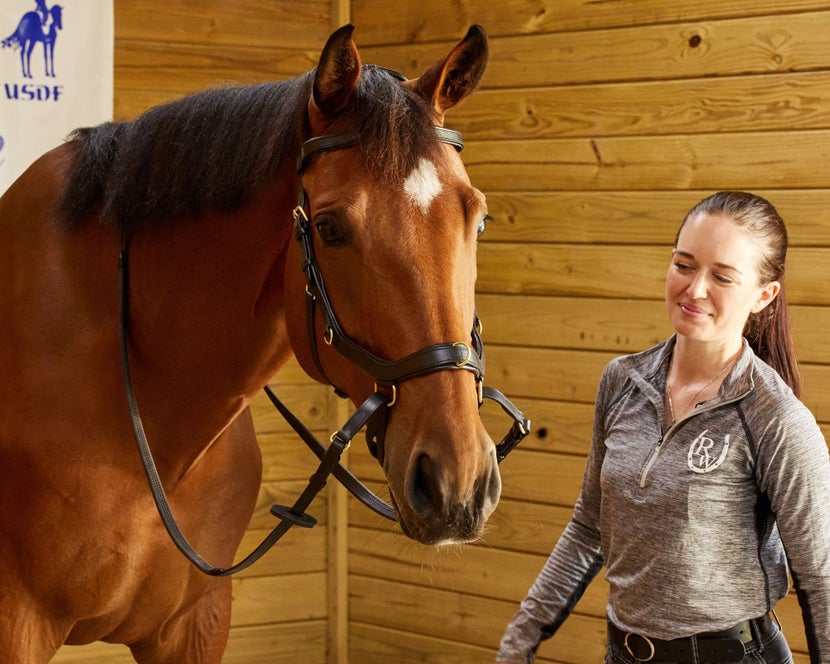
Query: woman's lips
point(692, 310)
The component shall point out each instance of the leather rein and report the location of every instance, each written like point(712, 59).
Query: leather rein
point(373, 413)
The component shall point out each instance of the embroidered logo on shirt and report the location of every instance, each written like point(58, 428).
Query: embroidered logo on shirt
point(706, 454)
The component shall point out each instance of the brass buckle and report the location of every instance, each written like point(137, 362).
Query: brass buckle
point(394, 398)
point(631, 652)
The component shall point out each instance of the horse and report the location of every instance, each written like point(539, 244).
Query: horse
point(229, 271)
point(30, 31)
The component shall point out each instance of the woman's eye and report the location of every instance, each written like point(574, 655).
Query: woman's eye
point(330, 233)
point(682, 266)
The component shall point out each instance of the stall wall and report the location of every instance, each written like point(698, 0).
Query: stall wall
point(598, 124)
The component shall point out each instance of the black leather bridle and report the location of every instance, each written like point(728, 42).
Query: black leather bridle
point(452, 356)
point(388, 374)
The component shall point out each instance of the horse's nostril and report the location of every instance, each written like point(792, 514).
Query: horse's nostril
point(425, 489)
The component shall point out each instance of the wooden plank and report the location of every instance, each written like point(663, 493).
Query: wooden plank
point(470, 569)
point(185, 68)
point(635, 217)
point(285, 456)
point(308, 401)
point(448, 19)
point(253, 23)
point(299, 551)
point(584, 323)
point(544, 477)
point(337, 571)
point(574, 376)
point(701, 161)
point(615, 325)
point(620, 271)
point(286, 643)
point(472, 620)
point(777, 102)
point(273, 599)
point(653, 52)
point(556, 426)
point(94, 653)
point(376, 645)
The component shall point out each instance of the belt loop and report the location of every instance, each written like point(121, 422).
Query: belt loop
point(777, 620)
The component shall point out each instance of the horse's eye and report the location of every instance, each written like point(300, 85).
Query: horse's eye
point(482, 224)
point(331, 233)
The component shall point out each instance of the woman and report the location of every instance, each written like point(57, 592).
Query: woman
point(704, 467)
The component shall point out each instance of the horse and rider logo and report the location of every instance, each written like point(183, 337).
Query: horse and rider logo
point(38, 26)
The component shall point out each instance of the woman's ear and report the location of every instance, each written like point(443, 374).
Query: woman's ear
point(768, 294)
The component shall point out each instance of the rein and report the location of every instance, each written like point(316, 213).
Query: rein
point(372, 413)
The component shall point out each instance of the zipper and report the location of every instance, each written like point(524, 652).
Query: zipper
point(654, 453)
point(711, 405)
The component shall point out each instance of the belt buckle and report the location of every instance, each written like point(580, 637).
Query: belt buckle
point(648, 641)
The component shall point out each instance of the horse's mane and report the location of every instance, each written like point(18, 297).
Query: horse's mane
point(214, 150)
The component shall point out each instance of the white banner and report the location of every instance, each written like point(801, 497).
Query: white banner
point(56, 74)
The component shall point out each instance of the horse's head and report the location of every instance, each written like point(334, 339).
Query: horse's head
point(56, 12)
point(393, 223)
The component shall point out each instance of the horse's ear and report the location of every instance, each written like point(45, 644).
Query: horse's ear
point(336, 77)
point(449, 80)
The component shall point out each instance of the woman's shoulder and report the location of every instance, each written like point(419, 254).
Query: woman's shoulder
point(771, 398)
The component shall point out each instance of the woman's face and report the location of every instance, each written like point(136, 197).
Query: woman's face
point(713, 282)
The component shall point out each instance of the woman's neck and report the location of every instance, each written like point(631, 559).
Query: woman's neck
point(695, 361)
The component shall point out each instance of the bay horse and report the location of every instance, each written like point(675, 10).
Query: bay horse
point(224, 282)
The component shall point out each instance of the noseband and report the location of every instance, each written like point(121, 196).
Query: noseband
point(448, 356)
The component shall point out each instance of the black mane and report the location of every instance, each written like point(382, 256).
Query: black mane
point(214, 150)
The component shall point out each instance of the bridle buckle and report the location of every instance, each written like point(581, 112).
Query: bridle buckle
point(631, 652)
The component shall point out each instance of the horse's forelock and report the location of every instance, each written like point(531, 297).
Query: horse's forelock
point(395, 125)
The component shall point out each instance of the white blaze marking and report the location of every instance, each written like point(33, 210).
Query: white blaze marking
point(423, 185)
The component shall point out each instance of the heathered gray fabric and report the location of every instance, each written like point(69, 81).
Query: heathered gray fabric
point(689, 551)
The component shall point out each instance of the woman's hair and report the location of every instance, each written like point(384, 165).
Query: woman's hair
point(768, 331)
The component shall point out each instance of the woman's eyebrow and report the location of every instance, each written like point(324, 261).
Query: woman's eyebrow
point(722, 266)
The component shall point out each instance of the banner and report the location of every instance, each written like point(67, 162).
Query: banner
point(56, 74)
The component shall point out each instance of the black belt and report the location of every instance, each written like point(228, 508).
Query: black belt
point(725, 646)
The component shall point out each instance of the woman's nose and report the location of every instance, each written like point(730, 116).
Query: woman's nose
point(697, 288)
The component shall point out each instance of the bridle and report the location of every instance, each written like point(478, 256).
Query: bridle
point(388, 374)
point(372, 413)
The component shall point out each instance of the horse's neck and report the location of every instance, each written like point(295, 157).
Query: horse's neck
point(207, 324)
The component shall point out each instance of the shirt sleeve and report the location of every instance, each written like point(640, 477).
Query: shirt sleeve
point(793, 470)
point(574, 562)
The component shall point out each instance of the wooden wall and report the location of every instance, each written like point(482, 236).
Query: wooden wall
point(598, 125)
